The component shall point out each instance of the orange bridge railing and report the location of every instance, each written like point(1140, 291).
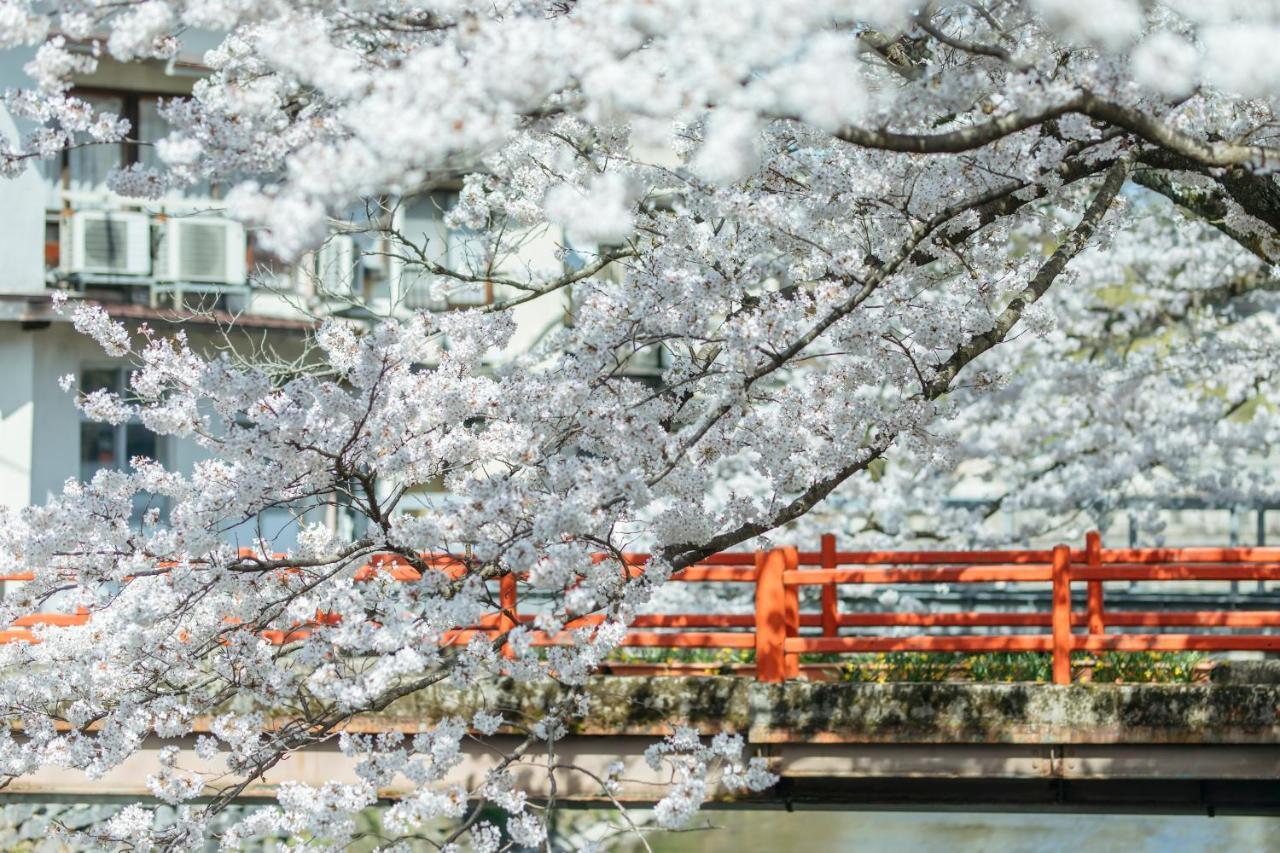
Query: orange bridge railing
point(780, 631)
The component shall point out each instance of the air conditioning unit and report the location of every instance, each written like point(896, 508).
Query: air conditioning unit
point(108, 242)
point(338, 266)
point(201, 249)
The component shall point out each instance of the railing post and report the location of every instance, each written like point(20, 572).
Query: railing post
point(771, 617)
point(507, 601)
point(830, 603)
point(1061, 615)
point(1093, 557)
point(791, 562)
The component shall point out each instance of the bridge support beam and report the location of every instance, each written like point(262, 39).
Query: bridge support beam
point(826, 775)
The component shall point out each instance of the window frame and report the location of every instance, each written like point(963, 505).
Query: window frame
point(120, 432)
point(130, 148)
point(453, 238)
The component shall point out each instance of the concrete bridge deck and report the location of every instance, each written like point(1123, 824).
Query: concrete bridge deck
point(1212, 747)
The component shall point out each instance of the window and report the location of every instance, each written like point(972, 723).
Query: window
point(646, 363)
point(577, 258)
point(85, 169)
point(149, 127)
point(111, 446)
point(457, 249)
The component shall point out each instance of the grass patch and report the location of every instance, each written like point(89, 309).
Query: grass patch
point(1107, 667)
point(715, 657)
point(917, 667)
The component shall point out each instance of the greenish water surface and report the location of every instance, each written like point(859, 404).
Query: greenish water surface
point(769, 831)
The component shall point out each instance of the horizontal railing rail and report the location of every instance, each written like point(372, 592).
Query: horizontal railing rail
point(779, 631)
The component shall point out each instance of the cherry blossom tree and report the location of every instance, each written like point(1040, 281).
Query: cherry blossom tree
point(887, 248)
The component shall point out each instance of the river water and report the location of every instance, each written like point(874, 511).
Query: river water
point(769, 831)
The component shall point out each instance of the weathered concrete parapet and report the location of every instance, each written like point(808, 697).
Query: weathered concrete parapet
point(1183, 747)
point(1014, 713)
point(619, 706)
point(1246, 672)
point(840, 712)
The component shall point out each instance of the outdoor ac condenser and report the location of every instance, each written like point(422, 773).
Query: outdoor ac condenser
point(201, 249)
point(109, 242)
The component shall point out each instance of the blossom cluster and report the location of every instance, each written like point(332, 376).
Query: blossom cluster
point(823, 265)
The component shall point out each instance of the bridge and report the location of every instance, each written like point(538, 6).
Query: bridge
point(1195, 748)
point(1070, 744)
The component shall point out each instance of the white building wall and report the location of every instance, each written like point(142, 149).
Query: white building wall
point(55, 449)
point(17, 409)
point(39, 423)
point(52, 440)
point(22, 213)
point(535, 318)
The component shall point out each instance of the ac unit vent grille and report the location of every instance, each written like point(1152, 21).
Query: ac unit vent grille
point(106, 244)
point(203, 251)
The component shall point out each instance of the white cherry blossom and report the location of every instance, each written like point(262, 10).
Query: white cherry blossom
point(883, 256)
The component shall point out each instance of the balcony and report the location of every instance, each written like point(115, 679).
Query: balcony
point(162, 255)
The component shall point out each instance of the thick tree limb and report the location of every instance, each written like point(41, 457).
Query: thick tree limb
point(1257, 194)
point(1017, 196)
point(686, 555)
point(1144, 126)
point(1213, 205)
point(947, 371)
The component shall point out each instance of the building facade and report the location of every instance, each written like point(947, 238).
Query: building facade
point(181, 262)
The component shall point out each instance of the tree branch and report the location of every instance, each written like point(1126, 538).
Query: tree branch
point(1213, 205)
point(1039, 285)
point(1204, 152)
point(681, 556)
point(972, 47)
